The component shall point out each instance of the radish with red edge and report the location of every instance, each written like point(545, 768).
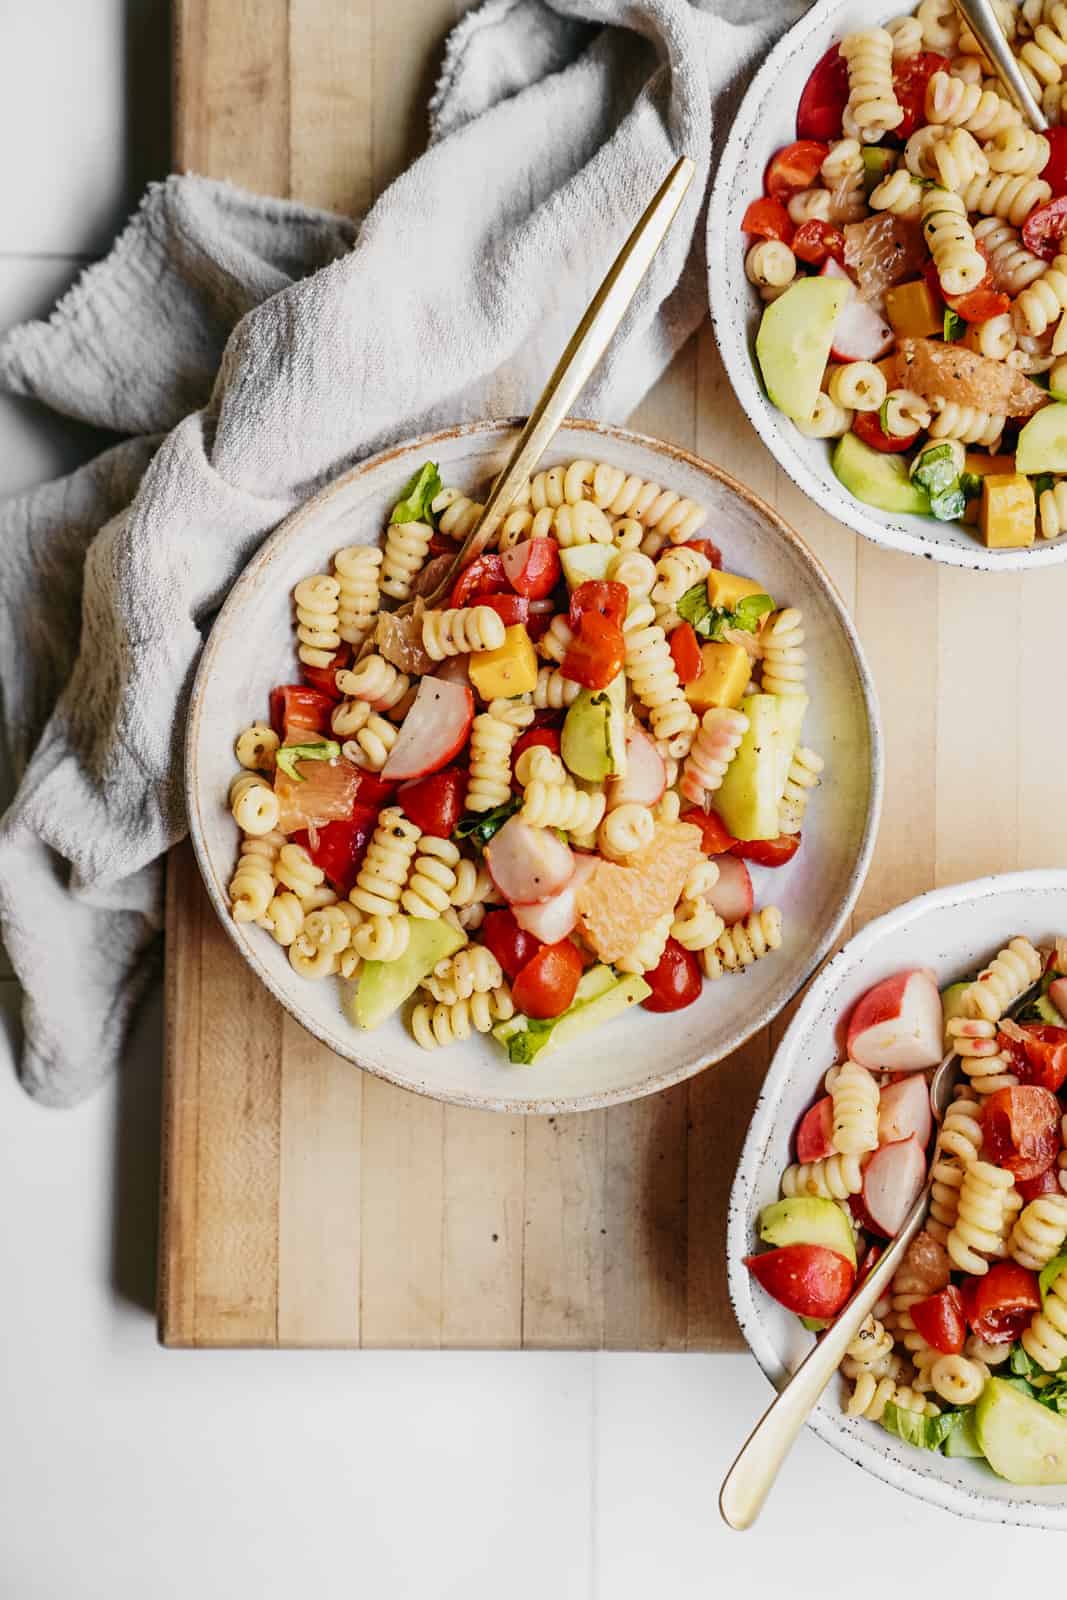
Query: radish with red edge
point(552, 920)
point(815, 1131)
point(731, 896)
point(860, 333)
point(434, 730)
point(1057, 993)
point(645, 778)
point(904, 1109)
point(528, 864)
point(898, 1026)
point(891, 1182)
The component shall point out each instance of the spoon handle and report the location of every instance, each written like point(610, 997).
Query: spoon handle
point(577, 363)
point(981, 19)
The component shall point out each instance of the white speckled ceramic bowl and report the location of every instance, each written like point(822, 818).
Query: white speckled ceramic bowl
point(954, 931)
point(251, 648)
point(766, 121)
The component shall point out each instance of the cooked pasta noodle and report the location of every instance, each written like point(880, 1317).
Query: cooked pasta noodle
point(433, 877)
point(833, 1178)
point(553, 691)
point(257, 747)
point(492, 737)
point(1004, 981)
point(317, 615)
point(744, 942)
point(653, 677)
point(872, 109)
point(1045, 1340)
point(252, 885)
point(447, 1024)
point(900, 192)
point(986, 1203)
point(625, 830)
point(808, 205)
point(966, 423)
point(406, 544)
point(384, 872)
point(858, 385)
point(805, 774)
point(1039, 1232)
point(905, 413)
point(253, 804)
point(721, 731)
point(1002, 195)
point(827, 421)
point(456, 514)
point(357, 569)
point(960, 264)
point(472, 970)
point(459, 630)
point(376, 681)
point(980, 1055)
point(371, 746)
point(854, 1128)
point(561, 805)
point(783, 656)
point(284, 917)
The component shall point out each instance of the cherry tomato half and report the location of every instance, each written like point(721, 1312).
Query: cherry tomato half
point(978, 304)
point(608, 600)
point(809, 1279)
point(716, 839)
point(1021, 1129)
point(324, 678)
point(485, 575)
point(815, 241)
point(685, 652)
point(795, 166)
point(512, 945)
point(596, 653)
point(910, 78)
point(373, 792)
point(939, 1318)
point(545, 986)
point(296, 708)
point(1045, 227)
point(767, 219)
point(675, 981)
point(768, 852)
point(999, 1306)
point(510, 608)
point(824, 97)
point(866, 425)
point(1041, 1057)
point(339, 847)
point(1054, 171)
point(435, 803)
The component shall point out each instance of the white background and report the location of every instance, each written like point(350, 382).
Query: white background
point(138, 1474)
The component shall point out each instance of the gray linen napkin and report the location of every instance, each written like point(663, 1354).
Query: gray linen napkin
point(252, 349)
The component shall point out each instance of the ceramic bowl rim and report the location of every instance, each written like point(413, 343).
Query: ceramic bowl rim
point(491, 430)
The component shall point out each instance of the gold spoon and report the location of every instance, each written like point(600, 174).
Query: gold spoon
point(575, 366)
point(981, 19)
point(751, 1478)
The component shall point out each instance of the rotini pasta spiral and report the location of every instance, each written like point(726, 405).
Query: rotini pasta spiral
point(986, 1203)
point(1043, 301)
point(459, 630)
point(721, 731)
point(456, 513)
point(541, 764)
point(960, 264)
point(371, 746)
point(980, 1056)
point(1045, 55)
point(677, 570)
point(295, 870)
point(316, 615)
point(870, 1351)
point(854, 1128)
point(871, 1396)
point(1045, 1340)
point(995, 338)
point(646, 953)
point(940, 25)
point(957, 1379)
point(625, 830)
point(257, 747)
point(472, 970)
point(556, 639)
point(652, 674)
point(952, 101)
point(561, 805)
point(1052, 506)
point(872, 109)
point(385, 867)
point(629, 534)
point(900, 192)
point(744, 942)
point(324, 935)
point(783, 656)
point(805, 774)
point(406, 544)
point(806, 205)
point(771, 265)
point(376, 681)
point(433, 877)
point(961, 1131)
point(284, 917)
point(444, 1025)
point(696, 924)
point(1018, 150)
point(905, 413)
point(382, 937)
point(966, 423)
point(1008, 976)
point(473, 885)
point(634, 570)
point(833, 1178)
point(1039, 1232)
point(252, 885)
point(581, 523)
point(944, 1198)
point(553, 691)
point(1002, 195)
point(622, 495)
point(843, 173)
point(907, 36)
point(490, 760)
point(858, 385)
point(828, 420)
point(253, 804)
point(357, 570)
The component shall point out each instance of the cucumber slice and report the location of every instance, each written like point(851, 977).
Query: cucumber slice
point(1023, 1441)
point(877, 479)
point(793, 342)
point(1042, 445)
point(808, 1220)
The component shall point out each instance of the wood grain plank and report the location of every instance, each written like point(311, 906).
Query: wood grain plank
point(231, 91)
point(331, 93)
point(484, 1184)
point(646, 1238)
point(186, 906)
point(405, 61)
point(565, 1226)
point(402, 1204)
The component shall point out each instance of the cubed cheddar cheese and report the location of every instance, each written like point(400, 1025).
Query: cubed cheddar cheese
point(724, 673)
point(912, 310)
point(981, 465)
point(509, 670)
point(726, 589)
point(1008, 517)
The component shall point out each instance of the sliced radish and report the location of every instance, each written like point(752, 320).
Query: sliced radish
point(552, 920)
point(434, 730)
point(646, 775)
point(903, 1110)
point(1057, 993)
point(814, 1132)
point(528, 864)
point(732, 895)
point(892, 1179)
point(897, 1026)
point(860, 334)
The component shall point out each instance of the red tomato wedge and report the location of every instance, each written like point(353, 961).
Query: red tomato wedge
point(532, 568)
point(595, 655)
point(675, 981)
point(1021, 1130)
point(939, 1318)
point(324, 678)
point(824, 97)
point(867, 426)
point(512, 945)
point(510, 608)
point(1054, 171)
point(327, 794)
point(809, 1279)
point(706, 548)
point(339, 847)
point(1041, 1057)
point(767, 219)
point(715, 839)
point(1000, 1305)
point(910, 78)
point(1045, 227)
point(297, 709)
point(795, 166)
point(608, 600)
point(485, 575)
point(768, 852)
point(545, 986)
point(978, 304)
point(435, 804)
point(685, 652)
point(815, 241)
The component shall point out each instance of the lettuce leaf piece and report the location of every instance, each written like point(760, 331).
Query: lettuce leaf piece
point(955, 326)
point(711, 622)
point(1049, 1274)
point(290, 754)
point(1020, 1363)
point(748, 611)
point(927, 1433)
point(937, 468)
point(480, 826)
point(414, 503)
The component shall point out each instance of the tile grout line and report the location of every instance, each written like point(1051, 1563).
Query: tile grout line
point(594, 1463)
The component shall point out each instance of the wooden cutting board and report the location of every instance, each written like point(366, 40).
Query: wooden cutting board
point(306, 1203)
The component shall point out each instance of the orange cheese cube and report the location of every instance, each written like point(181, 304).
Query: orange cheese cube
point(1008, 518)
point(509, 670)
point(725, 589)
point(724, 673)
point(912, 310)
point(981, 464)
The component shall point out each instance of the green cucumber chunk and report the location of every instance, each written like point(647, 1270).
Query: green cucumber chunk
point(877, 479)
point(1042, 443)
point(383, 986)
point(747, 800)
point(794, 339)
point(808, 1220)
point(593, 741)
point(586, 563)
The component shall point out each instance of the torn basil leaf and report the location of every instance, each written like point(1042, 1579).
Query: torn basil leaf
point(290, 754)
point(414, 503)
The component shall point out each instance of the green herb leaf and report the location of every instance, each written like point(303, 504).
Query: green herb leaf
point(1043, 481)
point(928, 1433)
point(955, 327)
point(480, 826)
point(1020, 1363)
point(290, 754)
point(711, 622)
point(971, 484)
point(883, 415)
point(1050, 1273)
point(937, 468)
point(950, 505)
point(749, 611)
point(524, 1047)
point(414, 503)
point(695, 607)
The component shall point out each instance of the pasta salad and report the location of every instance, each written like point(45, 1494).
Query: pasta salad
point(543, 802)
point(967, 1353)
point(909, 246)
